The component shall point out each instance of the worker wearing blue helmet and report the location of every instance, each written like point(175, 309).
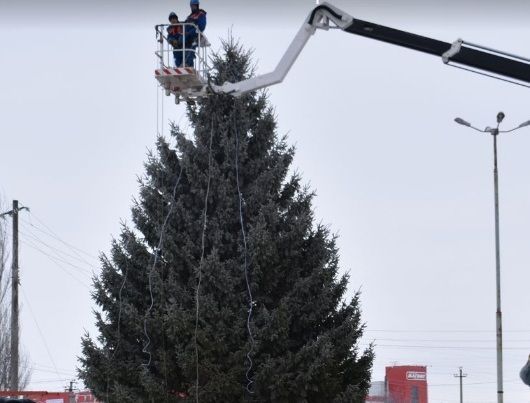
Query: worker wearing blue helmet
point(197, 17)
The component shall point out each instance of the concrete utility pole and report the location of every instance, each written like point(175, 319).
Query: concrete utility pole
point(15, 281)
point(461, 376)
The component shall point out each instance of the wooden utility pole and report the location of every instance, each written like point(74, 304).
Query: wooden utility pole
point(15, 281)
point(461, 376)
point(71, 394)
point(14, 302)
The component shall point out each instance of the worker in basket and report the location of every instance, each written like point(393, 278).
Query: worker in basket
point(174, 38)
point(198, 18)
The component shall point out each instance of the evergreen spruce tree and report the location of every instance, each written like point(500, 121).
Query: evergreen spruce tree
point(302, 337)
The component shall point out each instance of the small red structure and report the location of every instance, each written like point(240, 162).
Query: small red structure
point(407, 383)
point(52, 397)
point(40, 396)
point(403, 384)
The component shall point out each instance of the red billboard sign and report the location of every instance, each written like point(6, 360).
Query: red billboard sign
point(406, 384)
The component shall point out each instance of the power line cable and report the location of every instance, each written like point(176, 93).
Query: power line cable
point(51, 371)
point(452, 340)
point(81, 270)
point(76, 256)
point(49, 380)
point(441, 331)
point(465, 348)
point(79, 257)
point(54, 260)
point(58, 252)
point(40, 331)
point(54, 235)
point(44, 367)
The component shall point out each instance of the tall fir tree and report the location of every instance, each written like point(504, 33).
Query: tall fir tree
point(220, 219)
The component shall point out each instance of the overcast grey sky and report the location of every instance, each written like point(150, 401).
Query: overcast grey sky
point(271, 12)
point(409, 192)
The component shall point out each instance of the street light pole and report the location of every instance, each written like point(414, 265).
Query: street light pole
point(498, 315)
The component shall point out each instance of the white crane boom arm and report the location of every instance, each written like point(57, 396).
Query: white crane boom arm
point(487, 61)
point(319, 18)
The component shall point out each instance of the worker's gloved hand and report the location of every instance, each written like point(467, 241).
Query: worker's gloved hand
point(176, 43)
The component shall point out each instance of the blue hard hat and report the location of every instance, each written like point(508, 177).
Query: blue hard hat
point(194, 2)
point(172, 15)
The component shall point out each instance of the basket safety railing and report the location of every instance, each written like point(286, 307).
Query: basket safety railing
point(186, 43)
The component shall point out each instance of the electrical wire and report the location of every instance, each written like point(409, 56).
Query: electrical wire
point(157, 113)
point(62, 370)
point(79, 258)
point(160, 133)
point(145, 349)
point(55, 236)
point(48, 370)
point(4, 281)
point(199, 271)
point(49, 380)
point(57, 258)
point(40, 331)
point(463, 348)
point(120, 300)
point(441, 331)
point(54, 260)
point(162, 109)
point(32, 237)
point(245, 252)
point(451, 340)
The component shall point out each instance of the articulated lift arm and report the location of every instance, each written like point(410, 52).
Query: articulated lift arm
point(326, 16)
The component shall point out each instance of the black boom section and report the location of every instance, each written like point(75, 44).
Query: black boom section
point(493, 63)
point(470, 57)
point(397, 37)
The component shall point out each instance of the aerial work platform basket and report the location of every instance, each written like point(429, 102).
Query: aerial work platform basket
point(189, 78)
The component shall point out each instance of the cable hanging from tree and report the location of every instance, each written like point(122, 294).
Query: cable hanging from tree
point(156, 253)
point(120, 308)
point(201, 260)
point(245, 259)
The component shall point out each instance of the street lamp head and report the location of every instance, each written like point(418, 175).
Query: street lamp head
point(461, 121)
point(500, 117)
point(527, 123)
